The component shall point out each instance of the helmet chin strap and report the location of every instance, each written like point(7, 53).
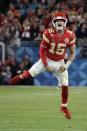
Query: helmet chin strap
point(59, 28)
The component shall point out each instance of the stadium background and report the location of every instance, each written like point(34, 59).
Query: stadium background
point(21, 26)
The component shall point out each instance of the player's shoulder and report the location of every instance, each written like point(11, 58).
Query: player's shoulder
point(70, 33)
point(48, 31)
point(47, 34)
point(71, 36)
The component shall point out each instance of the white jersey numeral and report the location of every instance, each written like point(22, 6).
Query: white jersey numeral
point(59, 50)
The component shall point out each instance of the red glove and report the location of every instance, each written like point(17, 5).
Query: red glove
point(18, 78)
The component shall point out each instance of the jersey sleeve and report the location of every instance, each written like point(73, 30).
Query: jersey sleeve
point(46, 38)
point(72, 39)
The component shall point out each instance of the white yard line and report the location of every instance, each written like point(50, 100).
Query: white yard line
point(41, 122)
point(19, 95)
point(34, 122)
point(24, 129)
point(29, 129)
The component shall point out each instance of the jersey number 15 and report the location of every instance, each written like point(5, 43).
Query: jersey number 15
point(59, 50)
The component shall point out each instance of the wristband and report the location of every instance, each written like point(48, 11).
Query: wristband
point(45, 65)
point(68, 63)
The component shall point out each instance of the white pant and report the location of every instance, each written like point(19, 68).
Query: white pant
point(38, 68)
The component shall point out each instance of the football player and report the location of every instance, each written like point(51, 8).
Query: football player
point(52, 51)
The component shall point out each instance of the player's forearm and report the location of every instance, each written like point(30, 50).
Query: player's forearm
point(72, 53)
point(69, 61)
point(71, 56)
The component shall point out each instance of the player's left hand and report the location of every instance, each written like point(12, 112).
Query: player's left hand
point(62, 69)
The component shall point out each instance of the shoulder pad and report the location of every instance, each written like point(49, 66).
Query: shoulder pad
point(46, 36)
point(72, 37)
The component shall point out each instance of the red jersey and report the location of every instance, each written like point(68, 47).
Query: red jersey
point(55, 45)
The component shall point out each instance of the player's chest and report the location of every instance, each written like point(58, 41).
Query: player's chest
point(59, 40)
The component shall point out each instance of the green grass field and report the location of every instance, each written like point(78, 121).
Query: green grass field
point(38, 109)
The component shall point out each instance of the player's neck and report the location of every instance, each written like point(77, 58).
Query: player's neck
point(61, 32)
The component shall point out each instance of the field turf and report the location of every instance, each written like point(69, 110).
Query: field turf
point(24, 108)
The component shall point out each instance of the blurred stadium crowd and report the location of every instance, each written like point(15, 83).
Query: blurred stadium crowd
point(25, 20)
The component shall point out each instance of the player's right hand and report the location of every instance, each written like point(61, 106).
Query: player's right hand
point(49, 69)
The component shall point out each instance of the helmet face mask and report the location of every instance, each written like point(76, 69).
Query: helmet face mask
point(59, 21)
point(59, 24)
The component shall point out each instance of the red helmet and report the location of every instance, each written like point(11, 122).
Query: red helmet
point(59, 16)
